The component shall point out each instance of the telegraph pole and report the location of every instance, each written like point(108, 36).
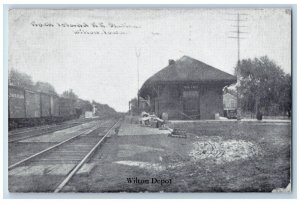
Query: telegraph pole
point(238, 37)
point(137, 54)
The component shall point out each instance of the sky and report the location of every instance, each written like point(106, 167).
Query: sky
point(96, 52)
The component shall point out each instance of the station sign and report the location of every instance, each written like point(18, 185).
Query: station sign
point(191, 87)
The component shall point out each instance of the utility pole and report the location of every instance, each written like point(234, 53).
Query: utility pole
point(238, 37)
point(137, 54)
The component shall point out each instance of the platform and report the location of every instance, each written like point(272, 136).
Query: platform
point(128, 129)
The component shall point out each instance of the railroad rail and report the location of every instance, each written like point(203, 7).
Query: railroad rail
point(46, 127)
point(29, 129)
point(43, 131)
point(37, 131)
point(75, 150)
point(84, 160)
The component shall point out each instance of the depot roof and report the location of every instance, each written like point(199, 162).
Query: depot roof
point(187, 69)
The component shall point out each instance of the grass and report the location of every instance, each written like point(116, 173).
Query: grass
point(261, 173)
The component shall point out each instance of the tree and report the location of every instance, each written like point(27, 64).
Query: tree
point(45, 87)
point(264, 87)
point(103, 109)
point(69, 94)
point(285, 100)
point(144, 105)
point(84, 105)
point(20, 79)
point(230, 89)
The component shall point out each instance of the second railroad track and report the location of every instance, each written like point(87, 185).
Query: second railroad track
point(50, 169)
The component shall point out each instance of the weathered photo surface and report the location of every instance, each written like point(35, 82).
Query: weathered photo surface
point(149, 100)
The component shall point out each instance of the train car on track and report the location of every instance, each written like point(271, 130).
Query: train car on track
point(32, 104)
point(30, 108)
point(16, 99)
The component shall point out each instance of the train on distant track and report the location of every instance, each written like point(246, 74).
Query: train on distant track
point(27, 108)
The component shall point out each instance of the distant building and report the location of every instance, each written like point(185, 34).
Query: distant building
point(88, 114)
point(229, 101)
point(230, 105)
point(187, 89)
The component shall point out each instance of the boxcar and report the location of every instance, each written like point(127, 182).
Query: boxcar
point(30, 108)
point(45, 105)
point(54, 101)
point(16, 103)
point(32, 104)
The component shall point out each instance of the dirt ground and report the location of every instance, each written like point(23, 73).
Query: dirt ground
point(216, 157)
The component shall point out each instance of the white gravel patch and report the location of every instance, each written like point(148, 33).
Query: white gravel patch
point(223, 151)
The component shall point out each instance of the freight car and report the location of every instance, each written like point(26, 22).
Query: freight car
point(31, 108)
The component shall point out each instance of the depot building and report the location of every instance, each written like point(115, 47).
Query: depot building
point(187, 89)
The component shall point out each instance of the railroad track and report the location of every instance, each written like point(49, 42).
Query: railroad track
point(42, 127)
point(40, 131)
point(69, 155)
point(27, 130)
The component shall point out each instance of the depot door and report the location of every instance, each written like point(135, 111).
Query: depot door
point(191, 107)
